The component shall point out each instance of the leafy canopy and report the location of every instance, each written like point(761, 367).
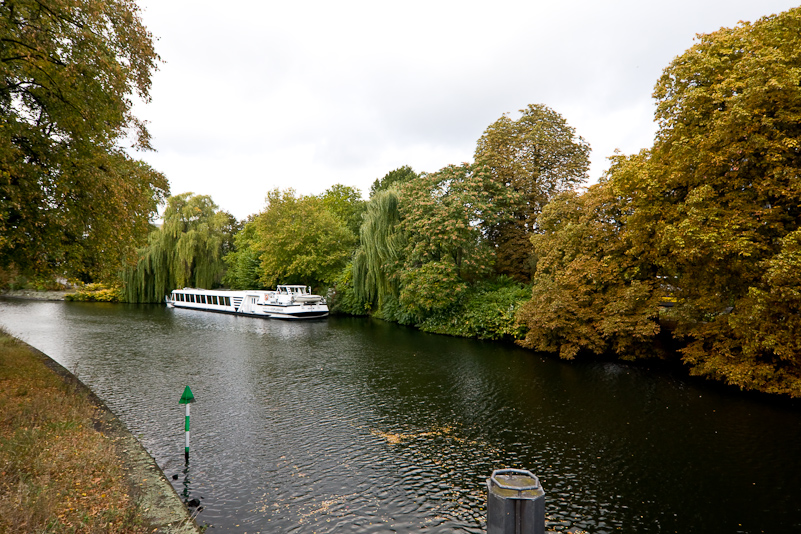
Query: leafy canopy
point(423, 242)
point(187, 251)
point(345, 203)
point(242, 262)
point(70, 198)
point(588, 292)
point(393, 178)
point(382, 242)
point(710, 215)
point(538, 155)
point(300, 241)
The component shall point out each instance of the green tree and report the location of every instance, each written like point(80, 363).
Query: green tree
point(69, 196)
point(343, 297)
point(393, 178)
point(445, 217)
point(538, 155)
point(380, 254)
point(186, 251)
point(346, 203)
point(300, 241)
point(242, 263)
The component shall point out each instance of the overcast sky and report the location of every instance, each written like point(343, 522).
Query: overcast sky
point(259, 94)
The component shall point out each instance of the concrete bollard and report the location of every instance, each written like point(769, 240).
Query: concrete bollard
point(515, 503)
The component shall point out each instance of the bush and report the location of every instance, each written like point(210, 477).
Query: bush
point(96, 293)
point(487, 311)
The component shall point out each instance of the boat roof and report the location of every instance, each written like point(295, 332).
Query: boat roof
point(201, 290)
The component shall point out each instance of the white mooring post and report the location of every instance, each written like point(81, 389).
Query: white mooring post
point(187, 398)
point(515, 503)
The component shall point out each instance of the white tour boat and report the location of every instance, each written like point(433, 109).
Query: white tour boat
point(286, 302)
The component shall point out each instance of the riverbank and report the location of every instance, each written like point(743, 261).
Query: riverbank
point(67, 464)
point(33, 294)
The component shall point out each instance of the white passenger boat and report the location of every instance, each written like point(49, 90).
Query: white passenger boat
point(286, 302)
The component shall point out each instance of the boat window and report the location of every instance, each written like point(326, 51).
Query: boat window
point(227, 301)
point(180, 296)
point(214, 299)
point(203, 299)
point(192, 297)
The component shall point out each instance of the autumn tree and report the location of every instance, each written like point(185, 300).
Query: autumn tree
point(538, 155)
point(70, 198)
point(186, 251)
point(115, 220)
point(589, 294)
point(719, 201)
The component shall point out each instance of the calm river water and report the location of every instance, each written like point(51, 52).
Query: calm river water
point(353, 425)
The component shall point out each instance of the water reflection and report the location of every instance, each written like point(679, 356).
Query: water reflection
point(358, 425)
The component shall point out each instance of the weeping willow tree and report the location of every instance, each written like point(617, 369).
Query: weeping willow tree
point(187, 251)
point(381, 251)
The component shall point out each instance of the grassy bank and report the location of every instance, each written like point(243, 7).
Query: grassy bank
point(59, 472)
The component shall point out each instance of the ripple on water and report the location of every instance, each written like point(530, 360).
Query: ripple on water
point(360, 426)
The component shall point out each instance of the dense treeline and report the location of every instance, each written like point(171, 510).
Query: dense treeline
point(706, 220)
point(698, 233)
point(450, 251)
point(709, 216)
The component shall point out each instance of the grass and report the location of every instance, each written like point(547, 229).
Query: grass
point(58, 473)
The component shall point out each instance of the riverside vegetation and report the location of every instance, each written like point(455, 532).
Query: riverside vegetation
point(510, 245)
point(57, 472)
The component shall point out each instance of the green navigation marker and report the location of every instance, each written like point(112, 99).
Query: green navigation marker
point(187, 398)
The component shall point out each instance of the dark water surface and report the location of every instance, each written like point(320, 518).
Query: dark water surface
point(352, 425)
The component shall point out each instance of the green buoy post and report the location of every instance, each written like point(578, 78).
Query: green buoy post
point(187, 398)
